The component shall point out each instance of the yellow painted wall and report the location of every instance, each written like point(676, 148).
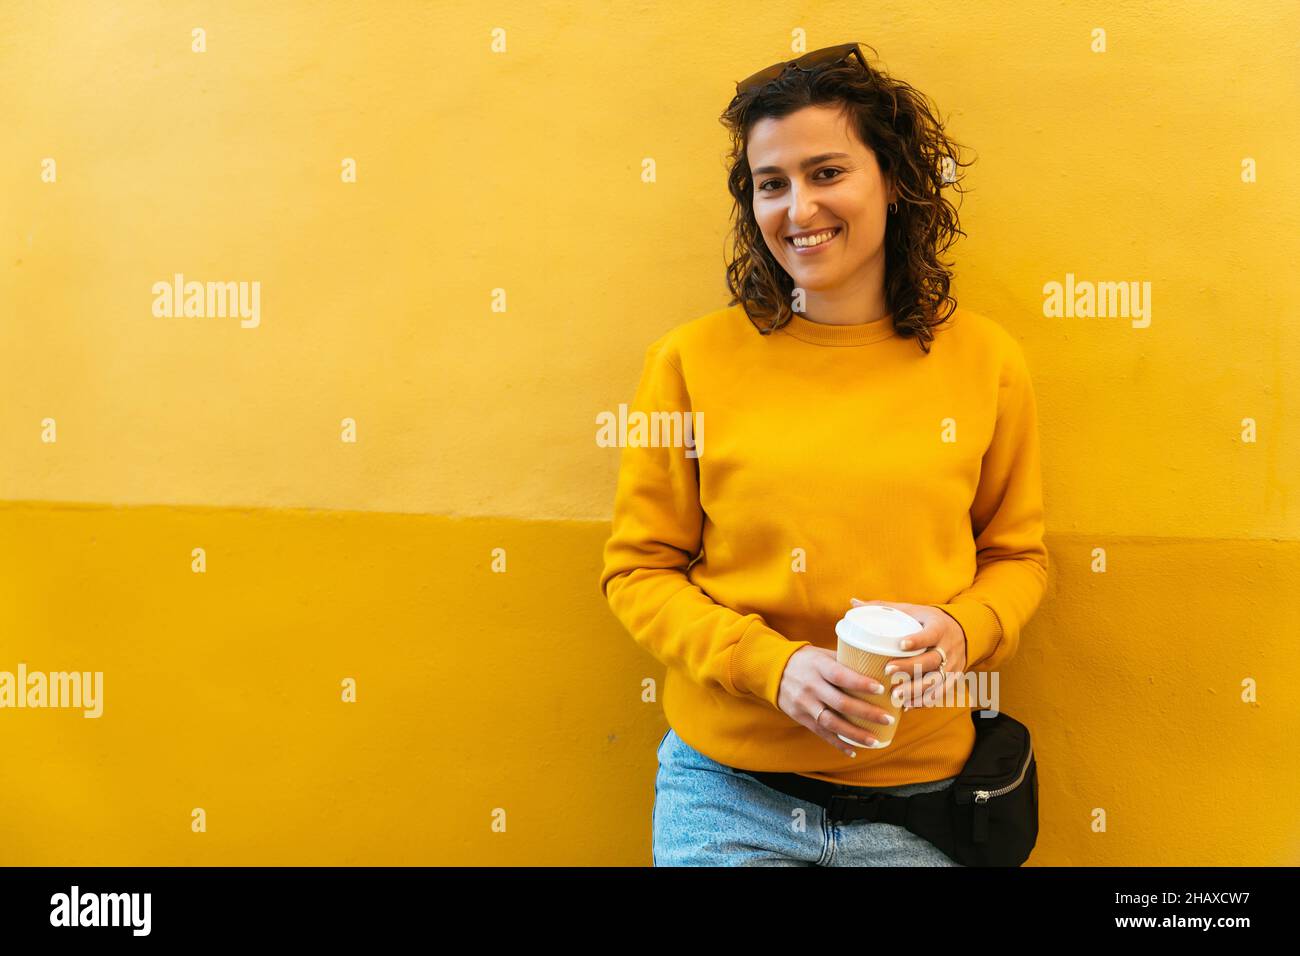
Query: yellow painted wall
point(521, 171)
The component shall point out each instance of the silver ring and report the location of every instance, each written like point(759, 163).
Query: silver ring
point(943, 658)
point(819, 714)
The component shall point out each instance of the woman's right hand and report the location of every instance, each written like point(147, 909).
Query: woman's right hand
point(814, 683)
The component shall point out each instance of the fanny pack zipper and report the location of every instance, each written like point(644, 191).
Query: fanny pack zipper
point(980, 810)
point(982, 796)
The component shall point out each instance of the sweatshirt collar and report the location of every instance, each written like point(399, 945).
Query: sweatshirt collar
point(820, 333)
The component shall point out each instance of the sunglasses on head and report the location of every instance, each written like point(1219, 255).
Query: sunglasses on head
point(826, 56)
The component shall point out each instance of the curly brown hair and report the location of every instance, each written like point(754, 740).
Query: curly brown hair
point(896, 122)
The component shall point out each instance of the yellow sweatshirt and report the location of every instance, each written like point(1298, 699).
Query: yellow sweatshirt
point(829, 462)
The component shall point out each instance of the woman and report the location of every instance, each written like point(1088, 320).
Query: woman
point(865, 436)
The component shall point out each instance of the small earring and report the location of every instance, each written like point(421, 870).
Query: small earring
point(893, 207)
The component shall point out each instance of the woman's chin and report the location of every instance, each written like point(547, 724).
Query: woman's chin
point(814, 280)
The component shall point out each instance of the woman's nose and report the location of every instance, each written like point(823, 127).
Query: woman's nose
point(801, 209)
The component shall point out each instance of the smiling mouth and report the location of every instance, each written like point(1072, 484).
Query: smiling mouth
point(823, 237)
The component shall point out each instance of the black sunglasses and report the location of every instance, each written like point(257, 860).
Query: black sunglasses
point(826, 56)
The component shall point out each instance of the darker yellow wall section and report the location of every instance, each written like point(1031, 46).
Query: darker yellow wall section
point(476, 690)
point(519, 690)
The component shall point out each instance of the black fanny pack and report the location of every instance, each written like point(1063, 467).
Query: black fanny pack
point(987, 817)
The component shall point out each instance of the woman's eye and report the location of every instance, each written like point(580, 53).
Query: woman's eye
point(777, 182)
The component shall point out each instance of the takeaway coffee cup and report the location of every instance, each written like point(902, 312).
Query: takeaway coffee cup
point(869, 636)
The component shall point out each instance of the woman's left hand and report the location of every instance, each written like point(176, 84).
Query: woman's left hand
point(917, 680)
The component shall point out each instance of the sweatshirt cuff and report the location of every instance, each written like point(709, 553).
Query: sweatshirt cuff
point(759, 660)
point(981, 625)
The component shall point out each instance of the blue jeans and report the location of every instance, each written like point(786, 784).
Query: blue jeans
point(709, 814)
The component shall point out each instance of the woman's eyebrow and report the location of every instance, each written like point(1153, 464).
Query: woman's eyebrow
point(810, 161)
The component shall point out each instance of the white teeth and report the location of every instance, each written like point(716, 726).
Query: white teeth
point(815, 240)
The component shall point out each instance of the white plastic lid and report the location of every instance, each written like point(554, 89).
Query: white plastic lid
point(877, 629)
